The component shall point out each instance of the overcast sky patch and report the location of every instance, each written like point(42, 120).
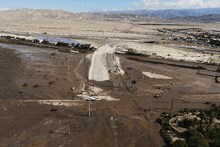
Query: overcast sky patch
point(178, 4)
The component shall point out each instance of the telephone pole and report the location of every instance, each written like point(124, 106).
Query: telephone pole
point(69, 125)
point(131, 76)
point(89, 110)
point(172, 105)
point(68, 59)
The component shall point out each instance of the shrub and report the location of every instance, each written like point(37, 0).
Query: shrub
point(85, 46)
point(181, 111)
point(188, 122)
point(207, 103)
point(186, 110)
point(180, 143)
point(77, 45)
point(36, 85)
point(165, 136)
point(169, 116)
point(202, 115)
point(213, 134)
point(53, 54)
point(36, 41)
point(160, 121)
point(194, 139)
point(45, 42)
point(51, 82)
point(168, 128)
point(193, 110)
point(164, 113)
point(166, 123)
point(23, 39)
point(25, 85)
point(8, 37)
point(62, 44)
point(133, 81)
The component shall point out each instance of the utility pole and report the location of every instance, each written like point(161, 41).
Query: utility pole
point(69, 125)
point(131, 76)
point(172, 105)
point(80, 88)
point(89, 110)
point(68, 59)
point(149, 103)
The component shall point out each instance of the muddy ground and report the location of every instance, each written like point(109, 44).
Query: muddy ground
point(27, 119)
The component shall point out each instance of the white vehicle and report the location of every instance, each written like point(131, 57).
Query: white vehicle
point(92, 99)
point(95, 97)
point(94, 94)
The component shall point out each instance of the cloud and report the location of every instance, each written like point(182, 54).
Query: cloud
point(104, 10)
point(114, 10)
point(136, 4)
point(4, 8)
point(178, 4)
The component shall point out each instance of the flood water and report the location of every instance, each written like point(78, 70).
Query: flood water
point(58, 39)
point(29, 53)
point(189, 47)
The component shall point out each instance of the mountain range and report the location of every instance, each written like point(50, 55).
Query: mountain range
point(169, 13)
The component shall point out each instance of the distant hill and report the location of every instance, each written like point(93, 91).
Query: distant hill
point(170, 12)
point(130, 17)
point(45, 14)
point(205, 18)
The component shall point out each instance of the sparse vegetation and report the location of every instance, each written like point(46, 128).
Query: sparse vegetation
point(36, 85)
point(188, 122)
point(77, 45)
point(25, 85)
point(200, 133)
point(45, 42)
point(51, 82)
point(133, 81)
point(36, 41)
point(62, 44)
point(53, 54)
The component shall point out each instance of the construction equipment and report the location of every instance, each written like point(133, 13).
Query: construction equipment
point(158, 95)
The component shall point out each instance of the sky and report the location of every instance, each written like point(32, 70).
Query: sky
point(77, 6)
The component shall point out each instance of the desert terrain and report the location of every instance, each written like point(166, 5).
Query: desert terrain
point(53, 109)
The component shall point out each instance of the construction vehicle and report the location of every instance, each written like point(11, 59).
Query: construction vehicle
point(159, 95)
point(93, 98)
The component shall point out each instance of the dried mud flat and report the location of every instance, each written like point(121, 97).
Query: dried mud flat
point(28, 121)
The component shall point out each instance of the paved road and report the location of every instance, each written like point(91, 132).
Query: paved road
point(102, 62)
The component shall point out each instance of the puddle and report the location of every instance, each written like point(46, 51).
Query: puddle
point(57, 39)
point(29, 53)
